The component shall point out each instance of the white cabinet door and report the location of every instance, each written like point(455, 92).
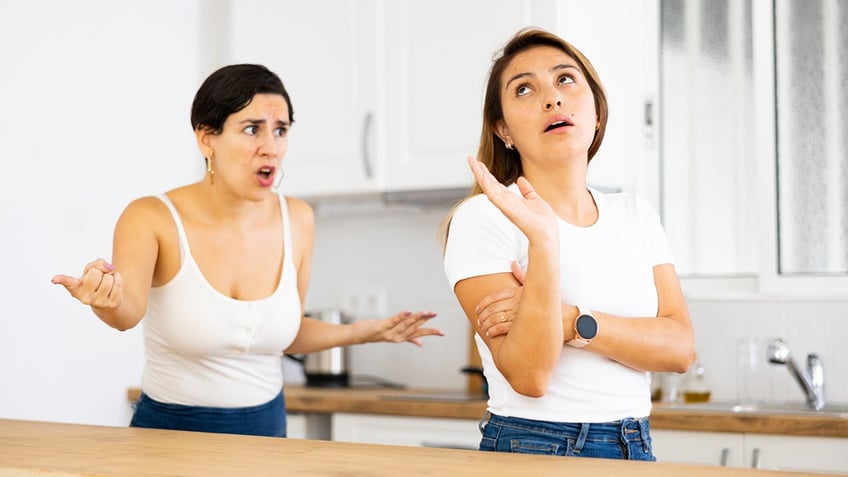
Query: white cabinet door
point(797, 453)
point(689, 447)
point(406, 431)
point(388, 95)
point(438, 54)
point(296, 426)
point(308, 426)
point(764, 451)
point(628, 158)
point(325, 51)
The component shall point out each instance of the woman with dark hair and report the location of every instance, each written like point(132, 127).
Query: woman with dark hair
point(572, 292)
point(218, 269)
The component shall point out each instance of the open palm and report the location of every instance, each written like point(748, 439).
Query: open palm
point(528, 211)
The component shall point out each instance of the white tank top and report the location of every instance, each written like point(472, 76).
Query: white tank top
point(203, 348)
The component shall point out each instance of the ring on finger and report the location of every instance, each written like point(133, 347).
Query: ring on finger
point(503, 318)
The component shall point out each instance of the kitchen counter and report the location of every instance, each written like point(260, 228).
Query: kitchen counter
point(39, 448)
point(438, 403)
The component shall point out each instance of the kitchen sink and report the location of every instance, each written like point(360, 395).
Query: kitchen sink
point(835, 410)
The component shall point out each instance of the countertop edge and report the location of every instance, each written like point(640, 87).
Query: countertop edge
point(394, 402)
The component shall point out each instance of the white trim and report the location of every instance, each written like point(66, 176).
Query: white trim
point(647, 182)
point(746, 289)
point(834, 152)
point(762, 37)
point(707, 288)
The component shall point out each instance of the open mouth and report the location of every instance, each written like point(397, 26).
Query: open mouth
point(557, 125)
point(265, 172)
point(266, 175)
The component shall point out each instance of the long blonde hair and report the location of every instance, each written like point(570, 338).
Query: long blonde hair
point(503, 163)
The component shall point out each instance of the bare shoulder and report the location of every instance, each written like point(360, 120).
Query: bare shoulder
point(146, 213)
point(302, 220)
point(146, 208)
point(301, 213)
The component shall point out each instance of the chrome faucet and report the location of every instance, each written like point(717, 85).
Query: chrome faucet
point(811, 380)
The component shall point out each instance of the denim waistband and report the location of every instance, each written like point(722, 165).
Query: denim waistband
point(625, 430)
point(268, 419)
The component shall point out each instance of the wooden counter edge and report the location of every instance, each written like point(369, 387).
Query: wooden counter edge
point(300, 399)
point(76, 449)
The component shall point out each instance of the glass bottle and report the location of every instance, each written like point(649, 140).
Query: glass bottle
point(696, 389)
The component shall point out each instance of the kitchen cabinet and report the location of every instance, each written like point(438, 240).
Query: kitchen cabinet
point(764, 451)
point(326, 53)
point(387, 95)
point(308, 426)
point(710, 448)
point(406, 431)
point(628, 159)
point(437, 56)
point(296, 426)
point(818, 454)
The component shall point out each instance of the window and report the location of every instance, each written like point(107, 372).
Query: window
point(707, 149)
point(811, 62)
point(754, 141)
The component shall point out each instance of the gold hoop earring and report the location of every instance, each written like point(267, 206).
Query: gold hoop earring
point(210, 171)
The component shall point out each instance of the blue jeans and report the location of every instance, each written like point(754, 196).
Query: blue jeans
point(267, 419)
point(626, 439)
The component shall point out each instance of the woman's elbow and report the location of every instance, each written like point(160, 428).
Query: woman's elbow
point(682, 360)
point(533, 385)
point(121, 326)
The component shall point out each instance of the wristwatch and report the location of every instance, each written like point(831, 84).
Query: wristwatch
point(585, 328)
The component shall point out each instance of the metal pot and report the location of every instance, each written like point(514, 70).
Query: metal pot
point(327, 368)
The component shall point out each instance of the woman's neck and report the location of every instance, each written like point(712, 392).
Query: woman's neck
point(564, 188)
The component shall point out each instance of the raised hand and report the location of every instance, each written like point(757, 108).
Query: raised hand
point(404, 326)
point(528, 212)
point(100, 285)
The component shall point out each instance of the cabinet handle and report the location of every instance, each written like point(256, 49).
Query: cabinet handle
point(755, 458)
point(648, 112)
point(366, 152)
point(725, 455)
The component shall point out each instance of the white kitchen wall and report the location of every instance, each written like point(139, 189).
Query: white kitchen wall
point(397, 250)
point(96, 97)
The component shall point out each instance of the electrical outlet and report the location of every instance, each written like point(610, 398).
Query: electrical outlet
point(365, 302)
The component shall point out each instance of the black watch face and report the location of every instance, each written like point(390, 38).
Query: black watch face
point(587, 327)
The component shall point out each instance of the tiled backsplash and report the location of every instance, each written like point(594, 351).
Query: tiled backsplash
point(396, 250)
point(804, 325)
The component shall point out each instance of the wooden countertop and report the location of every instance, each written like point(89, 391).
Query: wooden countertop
point(415, 402)
point(40, 448)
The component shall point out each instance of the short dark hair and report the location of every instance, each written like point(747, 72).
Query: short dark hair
point(229, 90)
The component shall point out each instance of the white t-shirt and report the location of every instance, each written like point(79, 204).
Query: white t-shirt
point(607, 267)
point(203, 348)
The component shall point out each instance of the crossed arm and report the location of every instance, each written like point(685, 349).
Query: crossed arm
point(527, 346)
